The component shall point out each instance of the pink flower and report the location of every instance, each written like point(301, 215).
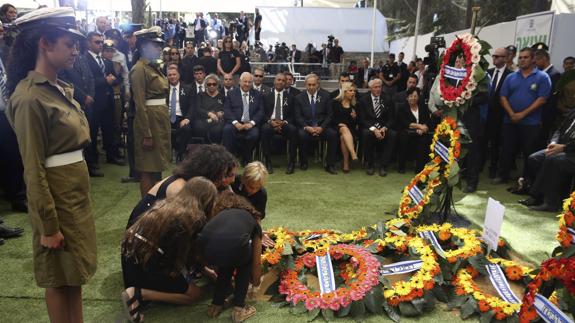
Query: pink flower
point(335, 304)
point(356, 295)
point(337, 255)
point(309, 261)
point(345, 301)
point(298, 298)
point(312, 303)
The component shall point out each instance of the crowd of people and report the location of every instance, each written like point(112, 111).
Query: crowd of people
point(62, 88)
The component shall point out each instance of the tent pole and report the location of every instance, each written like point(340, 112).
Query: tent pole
point(373, 30)
point(417, 17)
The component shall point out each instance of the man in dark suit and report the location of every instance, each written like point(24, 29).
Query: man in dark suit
point(313, 114)
point(188, 62)
point(491, 143)
point(551, 167)
point(364, 74)
point(243, 114)
point(102, 114)
point(542, 61)
point(403, 72)
point(376, 122)
point(343, 77)
point(180, 103)
point(259, 85)
point(400, 98)
point(294, 56)
point(197, 85)
point(227, 84)
point(199, 26)
point(290, 89)
point(209, 62)
point(279, 120)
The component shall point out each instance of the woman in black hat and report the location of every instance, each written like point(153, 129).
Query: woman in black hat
point(52, 130)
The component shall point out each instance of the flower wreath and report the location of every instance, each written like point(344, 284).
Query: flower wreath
point(283, 239)
point(318, 239)
point(429, 176)
point(423, 280)
point(552, 270)
point(567, 223)
point(468, 46)
point(493, 306)
point(357, 284)
point(466, 240)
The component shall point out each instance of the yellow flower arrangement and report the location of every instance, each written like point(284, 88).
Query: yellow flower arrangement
point(283, 238)
point(566, 222)
point(446, 232)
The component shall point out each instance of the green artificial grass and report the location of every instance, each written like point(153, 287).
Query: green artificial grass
point(305, 200)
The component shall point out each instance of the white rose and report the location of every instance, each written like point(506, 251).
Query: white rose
point(467, 95)
point(462, 95)
point(448, 103)
point(475, 58)
point(459, 101)
point(471, 86)
point(475, 48)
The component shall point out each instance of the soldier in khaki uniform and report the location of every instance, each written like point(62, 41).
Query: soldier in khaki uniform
point(52, 130)
point(152, 146)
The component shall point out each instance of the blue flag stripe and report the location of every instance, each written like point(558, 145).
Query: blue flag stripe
point(500, 284)
point(548, 311)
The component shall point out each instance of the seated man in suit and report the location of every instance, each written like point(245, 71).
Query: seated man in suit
point(279, 120)
point(209, 112)
point(375, 121)
point(549, 168)
point(180, 102)
point(343, 78)
point(313, 114)
point(243, 113)
point(364, 74)
point(289, 87)
point(259, 85)
point(227, 85)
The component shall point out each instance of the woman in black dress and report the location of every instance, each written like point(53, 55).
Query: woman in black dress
point(229, 59)
point(345, 119)
point(209, 119)
point(414, 122)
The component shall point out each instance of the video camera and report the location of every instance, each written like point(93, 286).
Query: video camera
point(432, 49)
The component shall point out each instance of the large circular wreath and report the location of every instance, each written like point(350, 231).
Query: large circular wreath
point(465, 285)
point(466, 241)
point(465, 45)
point(561, 270)
point(363, 280)
point(567, 223)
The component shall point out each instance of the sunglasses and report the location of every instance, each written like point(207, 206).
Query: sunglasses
point(211, 84)
point(256, 75)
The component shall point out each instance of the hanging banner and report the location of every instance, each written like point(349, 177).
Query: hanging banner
point(534, 28)
point(415, 194)
point(325, 273)
point(442, 151)
point(402, 267)
point(548, 311)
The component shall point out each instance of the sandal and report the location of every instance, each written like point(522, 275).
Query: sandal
point(214, 311)
point(243, 313)
point(133, 314)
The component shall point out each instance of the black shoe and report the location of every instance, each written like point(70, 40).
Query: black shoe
point(20, 207)
point(7, 232)
point(369, 170)
point(95, 173)
point(303, 166)
point(129, 180)
point(530, 201)
point(544, 208)
point(269, 167)
point(382, 172)
point(469, 189)
point(116, 161)
point(331, 170)
point(290, 169)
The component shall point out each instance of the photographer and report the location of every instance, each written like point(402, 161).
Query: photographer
point(334, 58)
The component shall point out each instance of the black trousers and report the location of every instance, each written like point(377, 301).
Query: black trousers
point(551, 176)
point(516, 136)
point(198, 37)
point(241, 142)
point(211, 132)
point(417, 145)
point(181, 136)
point(472, 163)
point(11, 167)
point(289, 132)
point(306, 140)
point(242, 282)
point(491, 140)
point(370, 145)
point(101, 116)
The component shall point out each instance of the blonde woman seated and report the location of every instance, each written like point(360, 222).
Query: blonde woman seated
point(251, 186)
point(345, 118)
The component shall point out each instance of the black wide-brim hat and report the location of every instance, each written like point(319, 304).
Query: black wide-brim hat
point(62, 19)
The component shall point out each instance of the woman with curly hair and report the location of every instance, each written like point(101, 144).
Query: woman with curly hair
point(213, 162)
point(158, 253)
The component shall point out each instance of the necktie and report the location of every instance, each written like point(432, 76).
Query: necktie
point(494, 82)
point(3, 88)
point(377, 109)
point(278, 115)
point(173, 100)
point(313, 111)
point(101, 64)
point(246, 112)
point(201, 89)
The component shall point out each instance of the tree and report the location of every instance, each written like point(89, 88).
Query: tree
point(138, 11)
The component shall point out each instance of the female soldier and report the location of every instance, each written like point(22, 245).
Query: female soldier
point(52, 130)
point(152, 144)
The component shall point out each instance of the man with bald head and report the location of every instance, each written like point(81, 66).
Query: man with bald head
point(243, 114)
point(101, 25)
point(491, 143)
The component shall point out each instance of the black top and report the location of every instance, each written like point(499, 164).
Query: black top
point(258, 200)
point(206, 104)
point(343, 115)
point(244, 64)
point(210, 64)
point(228, 60)
point(405, 117)
point(390, 71)
point(149, 200)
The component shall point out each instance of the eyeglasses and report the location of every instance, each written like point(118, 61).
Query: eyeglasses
point(211, 84)
point(257, 75)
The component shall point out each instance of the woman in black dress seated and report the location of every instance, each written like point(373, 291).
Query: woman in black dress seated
point(414, 122)
point(345, 119)
point(209, 116)
point(158, 252)
point(213, 162)
point(251, 186)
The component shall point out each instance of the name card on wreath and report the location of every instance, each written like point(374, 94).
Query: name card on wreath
point(493, 222)
point(325, 273)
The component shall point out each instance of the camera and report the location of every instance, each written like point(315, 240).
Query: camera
point(330, 39)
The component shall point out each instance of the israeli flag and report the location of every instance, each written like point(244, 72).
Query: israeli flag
point(500, 284)
point(442, 151)
point(402, 267)
point(548, 311)
point(415, 194)
point(455, 73)
point(325, 273)
point(430, 236)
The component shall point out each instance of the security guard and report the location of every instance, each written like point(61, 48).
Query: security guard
point(152, 143)
point(52, 130)
point(108, 51)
